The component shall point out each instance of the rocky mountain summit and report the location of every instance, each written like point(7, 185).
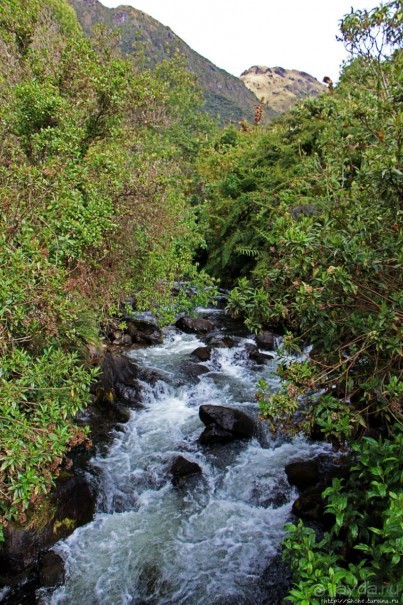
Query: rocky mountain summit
point(280, 88)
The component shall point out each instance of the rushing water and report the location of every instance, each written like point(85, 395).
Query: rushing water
point(208, 542)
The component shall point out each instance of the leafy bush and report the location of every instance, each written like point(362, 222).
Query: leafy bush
point(362, 554)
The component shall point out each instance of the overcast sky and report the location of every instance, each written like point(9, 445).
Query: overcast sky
point(236, 34)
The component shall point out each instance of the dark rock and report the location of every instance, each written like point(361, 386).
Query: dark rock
point(193, 370)
point(117, 369)
point(127, 340)
point(20, 549)
point(334, 468)
point(251, 349)
point(277, 580)
point(143, 331)
point(181, 468)
point(259, 357)
point(194, 325)
point(150, 579)
point(312, 477)
point(51, 570)
point(118, 381)
point(20, 593)
point(310, 506)
point(150, 376)
point(318, 471)
point(202, 353)
point(233, 421)
point(102, 419)
point(274, 497)
point(215, 434)
point(221, 342)
point(75, 504)
point(71, 504)
point(317, 434)
point(303, 474)
point(121, 339)
point(130, 395)
point(266, 340)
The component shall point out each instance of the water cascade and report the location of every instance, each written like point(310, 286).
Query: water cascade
point(208, 541)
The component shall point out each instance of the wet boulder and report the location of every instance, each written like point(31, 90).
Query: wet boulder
point(150, 376)
point(272, 495)
point(257, 356)
point(143, 331)
point(215, 434)
point(320, 470)
point(251, 349)
point(51, 570)
point(118, 382)
point(312, 477)
point(194, 325)
point(222, 342)
point(303, 474)
point(75, 503)
point(193, 371)
point(225, 424)
point(260, 358)
point(102, 421)
point(182, 468)
point(19, 591)
point(310, 506)
point(266, 341)
point(71, 504)
point(121, 339)
point(202, 353)
point(20, 548)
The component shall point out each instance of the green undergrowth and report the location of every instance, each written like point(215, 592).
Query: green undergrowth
point(361, 556)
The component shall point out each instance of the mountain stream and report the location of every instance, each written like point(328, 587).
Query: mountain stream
point(210, 541)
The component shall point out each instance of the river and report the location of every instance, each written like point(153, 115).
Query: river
point(210, 541)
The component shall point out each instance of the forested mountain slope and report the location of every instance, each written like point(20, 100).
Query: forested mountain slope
point(225, 95)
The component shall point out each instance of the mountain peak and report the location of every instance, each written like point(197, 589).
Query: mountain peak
point(280, 88)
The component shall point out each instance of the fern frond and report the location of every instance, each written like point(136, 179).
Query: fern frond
point(249, 252)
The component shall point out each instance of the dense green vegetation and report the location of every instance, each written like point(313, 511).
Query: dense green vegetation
point(307, 214)
point(109, 175)
point(318, 196)
point(94, 172)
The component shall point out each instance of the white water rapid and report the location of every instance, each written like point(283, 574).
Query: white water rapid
point(208, 542)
